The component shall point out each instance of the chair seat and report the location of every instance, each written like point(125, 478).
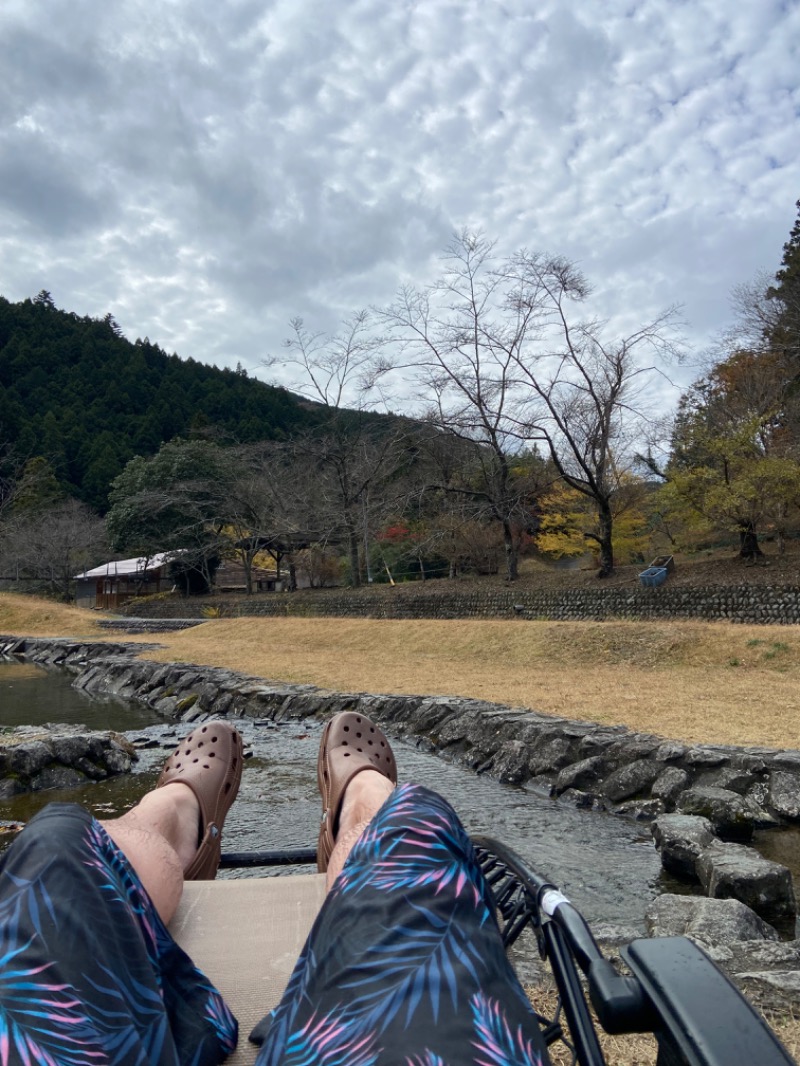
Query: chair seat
point(246, 935)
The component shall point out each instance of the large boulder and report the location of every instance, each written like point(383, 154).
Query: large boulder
point(32, 760)
point(669, 784)
point(732, 816)
point(584, 775)
point(680, 838)
point(731, 871)
point(713, 922)
point(634, 779)
point(783, 795)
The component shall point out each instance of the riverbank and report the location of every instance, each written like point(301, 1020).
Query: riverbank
point(484, 737)
point(695, 682)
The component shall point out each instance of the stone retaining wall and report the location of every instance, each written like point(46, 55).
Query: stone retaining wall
point(592, 765)
point(739, 603)
point(605, 767)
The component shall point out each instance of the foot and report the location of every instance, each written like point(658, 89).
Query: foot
point(209, 763)
point(352, 746)
point(363, 798)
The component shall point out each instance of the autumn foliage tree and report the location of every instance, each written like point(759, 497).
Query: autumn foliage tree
point(734, 460)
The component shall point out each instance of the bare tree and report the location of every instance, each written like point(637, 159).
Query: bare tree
point(585, 393)
point(349, 459)
point(45, 548)
point(463, 336)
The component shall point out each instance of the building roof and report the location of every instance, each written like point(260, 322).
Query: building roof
point(126, 567)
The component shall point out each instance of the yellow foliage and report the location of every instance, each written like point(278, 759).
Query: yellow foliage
point(563, 523)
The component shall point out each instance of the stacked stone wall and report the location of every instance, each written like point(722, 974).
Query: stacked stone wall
point(736, 603)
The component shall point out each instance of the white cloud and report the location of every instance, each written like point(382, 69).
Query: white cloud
point(207, 172)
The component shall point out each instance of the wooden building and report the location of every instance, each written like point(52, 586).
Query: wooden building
point(112, 584)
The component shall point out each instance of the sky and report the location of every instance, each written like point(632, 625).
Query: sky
point(208, 171)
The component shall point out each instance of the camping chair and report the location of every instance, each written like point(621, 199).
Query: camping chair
point(247, 934)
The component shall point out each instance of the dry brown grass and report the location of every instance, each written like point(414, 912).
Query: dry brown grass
point(640, 1049)
point(694, 681)
point(27, 616)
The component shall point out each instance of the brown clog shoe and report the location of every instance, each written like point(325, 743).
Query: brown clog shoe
point(209, 761)
point(350, 743)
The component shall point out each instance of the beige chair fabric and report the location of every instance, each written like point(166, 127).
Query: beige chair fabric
point(246, 935)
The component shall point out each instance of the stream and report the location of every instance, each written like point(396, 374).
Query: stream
point(607, 865)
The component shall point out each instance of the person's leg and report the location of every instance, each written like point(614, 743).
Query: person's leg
point(159, 838)
point(364, 796)
point(174, 832)
point(405, 962)
point(84, 905)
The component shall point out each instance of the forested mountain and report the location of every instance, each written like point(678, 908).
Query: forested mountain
point(75, 391)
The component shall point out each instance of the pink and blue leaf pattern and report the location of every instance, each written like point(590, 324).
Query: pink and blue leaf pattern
point(41, 1019)
point(399, 850)
point(331, 1040)
point(497, 1044)
point(420, 965)
point(80, 990)
point(406, 954)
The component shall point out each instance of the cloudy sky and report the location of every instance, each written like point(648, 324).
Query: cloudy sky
point(208, 170)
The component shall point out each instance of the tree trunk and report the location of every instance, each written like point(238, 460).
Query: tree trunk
point(749, 548)
point(352, 547)
point(606, 526)
point(512, 570)
point(247, 565)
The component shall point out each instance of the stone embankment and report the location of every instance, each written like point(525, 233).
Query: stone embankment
point(724, 792)
point(758, 604)
point(604, 767)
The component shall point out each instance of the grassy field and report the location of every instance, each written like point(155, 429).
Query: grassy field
point(692, 681)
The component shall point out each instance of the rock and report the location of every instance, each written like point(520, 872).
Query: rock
point(59, 757)
point(643, 810)
point(783, 795)
point(730, 777)
point(551, 756)
point(669, 750)
point(713, 922)
point(511, 763)
point(669, 784)
point(681, 838)
point(732, 816)
point(28, 759)
point(580, 775)
point(630, 780)
point(55, 776)
point(587, 801)
point(763, 955)
point(731, 871)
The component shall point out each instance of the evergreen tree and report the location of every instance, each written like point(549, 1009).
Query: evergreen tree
point(785, 336)
point(76, 391)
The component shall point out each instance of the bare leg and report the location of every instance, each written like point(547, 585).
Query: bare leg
point(159, 838)
point(363, 798)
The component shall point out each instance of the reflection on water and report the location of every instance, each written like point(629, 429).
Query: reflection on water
point(31, 695)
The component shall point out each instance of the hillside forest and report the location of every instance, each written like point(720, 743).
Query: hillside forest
point(533, 431)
